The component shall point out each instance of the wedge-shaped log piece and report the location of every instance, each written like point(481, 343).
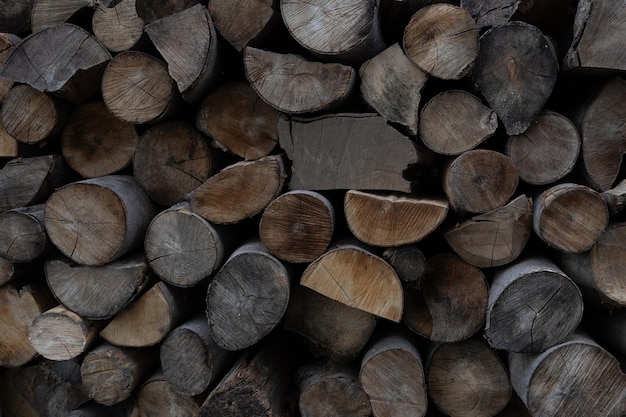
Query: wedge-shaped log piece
point(392, 220)
point(23, 236)
point(442, 39)
point(147, 320)
point(50, 13)
point(119, 27)
point(63, 59)
point(576, 377)
point(98, 293)
point(356, 277)
point(516, 70)
point(491, 12)
point(495, 238)
point(351, 151)
point(533, 306)
point(239, 191)
point(293, 84)
point(392, 85)
point(570, 217)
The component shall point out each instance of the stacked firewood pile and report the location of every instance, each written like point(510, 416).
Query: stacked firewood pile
point(312, 208)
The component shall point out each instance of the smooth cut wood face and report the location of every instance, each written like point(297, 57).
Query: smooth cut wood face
point(118, 28)
point(159, 398)
point(22, 234)
point(29, 115)
point(608, 262)
point(240, 21)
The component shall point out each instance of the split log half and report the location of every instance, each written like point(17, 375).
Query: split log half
point(239, 191)
point(50, 13)
point(98, 293)
point(297, 226)
point(152, 10)
point(171, 160)
point(491, 12)
point(351, 151)
point(392, 220)
point(570, 217)
point(533, 306)
point(95, 143)
point(409, 263)
point(515, 71)
point(357, 278)
point(23, 236)
point(237, 120)
point(495, 238)
point(95, 221)
point(119, 28)
point(157, 398)
point(247, 298)
point(292, 84)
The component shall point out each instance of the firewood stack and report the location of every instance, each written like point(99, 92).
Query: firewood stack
point(312, 208)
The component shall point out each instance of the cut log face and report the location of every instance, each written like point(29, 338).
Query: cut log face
point(350, 151)
point(495, 238)
point(292, 84)
point(480, 180)
point(451, 302)
point(23, 236)
point(348, 31)
point(236, 118)
point(119, 28)
point(152, 10)
point(171, 160)
point(546, 151)
point(95, 143)
point(570, 217)
point(247, 298)
point(297, 226)
point(455, 121)
point(157, 397)
point(49, 13)
point(357, 278)
point(491, 12)
point(391, 220)
point(533, 306)
point(516, 70)
point(442, 40)
point(239, 191)
point(96, 221)
point(576, 377)
point(409, 263)
point(467, 379)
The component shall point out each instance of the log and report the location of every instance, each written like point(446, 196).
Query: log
point(374, 156)
point(137, 88)
point(570, 217)
point(599, 271)
point(19, 306)
point(491, 12)
point(409, 263)
point(393, 378)
point(472, 123)
point(171, 160)
point(596, 43)
point(329, 389)
point(119, 27)
point(356, 277)
point(147, 320)
point(479, 181)
point(451, 302)
point(15, 16)
point(29, 181)
point(98, 293)
point(467, 379)
point(30, 116)
point(515, 71)
point(50, 13)
point(8, 42)
point(259, 384)
point(60, 334)
point(190, 358)
point(348, 32)
point(73, 71)
point(22, 234)
point(328, 328)
point(442, 39)
point(183, 248)
point(297, 226)
point(95, 143)
point(292, 84)
point(495, 238)
point(392, 220)
point(156, 397)
point(247, 298)
point(575, 376)
point(239, 191)
point(615, 198)
point(8, 144)
point(532, 306)
point(546, 151)
point(111, 373)
point(187, 40)
point(96, 221)
point(392, 85)
point(237, 120)
point(152, 10)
